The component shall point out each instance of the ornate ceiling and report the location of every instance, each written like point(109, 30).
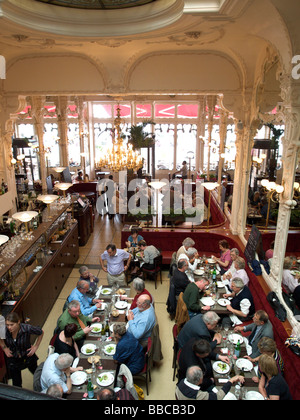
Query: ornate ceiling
point(97, 4)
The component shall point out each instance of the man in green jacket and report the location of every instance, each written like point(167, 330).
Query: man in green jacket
point(73, 315)
point(193, 294)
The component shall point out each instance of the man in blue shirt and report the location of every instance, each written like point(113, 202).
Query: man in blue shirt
point(115, 264)
point(141, 320)
point(79, 294)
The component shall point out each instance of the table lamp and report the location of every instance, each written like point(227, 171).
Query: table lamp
point(25, 217)
point(3, 239)
point(59, 170)
point(48, 199)
point(63, 186)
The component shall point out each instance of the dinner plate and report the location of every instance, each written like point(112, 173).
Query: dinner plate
point(78, 378)
point(244, 364)
point(198, 272)
point(106, 291)
point(121, 304)
point(220, 284)
point(254, 395)
point(223, 302)
point(96, 328)
point(88, 349)
point(234, 338)
point(207, 301)
point(211, 261)
point(110, 349)
point(111, 327)
point(105, 379)
point(221, 367)
point(294, 272)
point(229, 397)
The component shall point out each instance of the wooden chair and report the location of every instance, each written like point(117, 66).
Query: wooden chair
point(182, 314)
point(175, 349)
point(155, 271)
point(146, 372)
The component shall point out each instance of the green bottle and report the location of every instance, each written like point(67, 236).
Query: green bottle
point(90, 389)
point(214, 274)
point(237, 350)
point(107, 332)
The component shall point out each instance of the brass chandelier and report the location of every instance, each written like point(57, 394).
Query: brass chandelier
point(120, 156)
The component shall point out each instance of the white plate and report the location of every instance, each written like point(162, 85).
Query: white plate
point(221, 367)
point(207, 301)
point(198, 272)
point(244, 364)
point(111, 328)
point(294, 272)
point(223, 302)
point(78, 378)
point(85, 349)
point(97, 327)
point(121, 304)
point(229, 397)
point(110, 349)
point(234, 338)
point(220, 284)
point(254, 395)
point(211, 261)
point(105, 379)
point(106, 291)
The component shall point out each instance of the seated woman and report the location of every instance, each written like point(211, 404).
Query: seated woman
point(225, 260)
point(272, 385)
point(240, 272)
point(128, 350)
point(139, 287)
point(90, 278)
point(267, 345)
point(64, 343)
point(134, 239)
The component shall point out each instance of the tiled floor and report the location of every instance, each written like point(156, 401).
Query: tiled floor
point(109, 231)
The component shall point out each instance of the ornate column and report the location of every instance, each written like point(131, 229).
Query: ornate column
point(37, 112)
point(211, 103)
point(223, 135)
point(291, 149)
point(62, 120)
point(201, 133)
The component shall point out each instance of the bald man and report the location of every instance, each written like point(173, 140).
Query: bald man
point(141, 320)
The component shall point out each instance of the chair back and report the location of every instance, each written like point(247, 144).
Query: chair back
point(182, 314)
point(157, 262)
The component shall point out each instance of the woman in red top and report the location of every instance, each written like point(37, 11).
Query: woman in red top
point(139, 287)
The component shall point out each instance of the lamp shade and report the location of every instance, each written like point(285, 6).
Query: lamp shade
point(210, 185)
point(59, 169)
point(25, 216)
point(47, 198)
point(3, 239)
point(63, 186)
point(157, 184)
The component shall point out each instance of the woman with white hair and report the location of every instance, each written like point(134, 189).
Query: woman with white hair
point(139, 286)
point(240, 271)
point(191, 257)
point(186, 244)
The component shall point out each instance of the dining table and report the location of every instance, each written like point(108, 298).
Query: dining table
point(238, 366)
point(96, 355)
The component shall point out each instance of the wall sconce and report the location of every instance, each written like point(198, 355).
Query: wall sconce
point(274, 191)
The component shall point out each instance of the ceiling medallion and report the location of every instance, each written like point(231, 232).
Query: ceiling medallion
point(97, 4)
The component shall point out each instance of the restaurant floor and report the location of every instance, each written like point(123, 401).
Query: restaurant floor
point(109, 231)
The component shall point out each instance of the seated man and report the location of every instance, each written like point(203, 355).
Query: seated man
point(180, 279)
point(80, 294)
point(115, 265)
point(191, 257)
point(189, 388)
point(128, 350)
point(242, 304)
point(57, 370)
point(260, 328)
point(73, 315)
point(148, 253)
point(197, 352)
point(290, 282)
point(141, 320)
point(202, 327)
point(193, 294)
point(90, 278)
